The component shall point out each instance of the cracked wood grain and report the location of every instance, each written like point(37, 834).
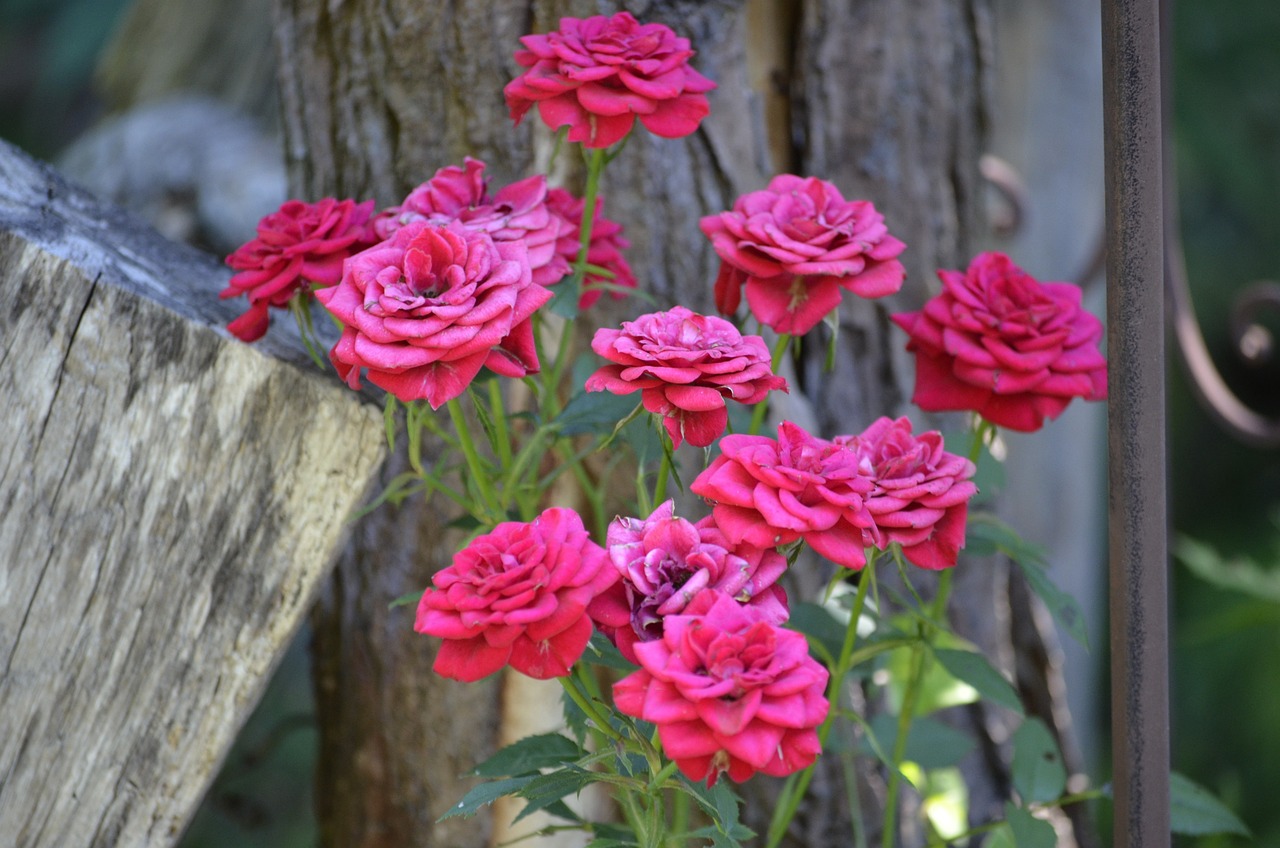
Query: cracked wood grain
point(169, 501)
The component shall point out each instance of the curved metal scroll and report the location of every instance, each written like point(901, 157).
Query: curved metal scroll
point(1251, 340)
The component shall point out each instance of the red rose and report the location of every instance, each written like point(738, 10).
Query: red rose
point(665, 561)
point(766, 493)
point(597, 75)
point(425, 311)
point(730, 691)
point(795, 245)
point(518, 212)
point(920, 493)
point(517, 596)
point(997, 342)
point(297, 244)
point(685, 365)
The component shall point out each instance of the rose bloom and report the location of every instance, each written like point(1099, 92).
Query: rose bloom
point(597, 75)
point(603, 251)
point(426, 310)
point(665, 561)
point(766, 493)
point(685, 365)
point(517, 596)
point(730, 691)
point(997, 342)
point(794, 246)
point(518, 212)
point(299, 243)
point(920, 493)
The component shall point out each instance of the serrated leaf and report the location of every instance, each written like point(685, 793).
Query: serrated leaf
point(1029, 831)
point(973, 668)
point(545, 790)
point(930, 743)
point(529, 755)
point(486, 421)
point(998, 536)
point(564, 301)
point(574, 718)
point(1038, 772)
point(594, 412)
point(486, 793)
point(1194, 811)
point(389, 421)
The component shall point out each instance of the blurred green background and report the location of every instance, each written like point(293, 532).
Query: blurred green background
point(1226, 639)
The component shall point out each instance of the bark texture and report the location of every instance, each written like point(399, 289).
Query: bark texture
point(887, 99)
point(167, 511)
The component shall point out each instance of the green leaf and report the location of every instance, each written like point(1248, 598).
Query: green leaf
point(1000, 837)
point(1194, 811)
point(642, 436)
point(1239, 574)
point(930, 743)
point(990, 475)
point(545, 790)
point(574, 718)
point(1029, 831)
point(486, 793)
point(1038, 773)
point(565, 301)
point(600, 651)
point(529, 755)
point(405, 600)
point(988, 534)
point(594, 412)
point(974, 669)
point(818, 624)
point(486, 420)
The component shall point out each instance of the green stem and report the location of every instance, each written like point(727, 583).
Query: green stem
point(797, 784)
point(595, 167)
point(590, 709)
point(664, 472)
point(499, 414)
point(475, 464)
point(915, 678)
point(757, 415)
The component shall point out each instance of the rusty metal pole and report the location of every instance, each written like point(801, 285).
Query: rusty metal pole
point(1136, 429)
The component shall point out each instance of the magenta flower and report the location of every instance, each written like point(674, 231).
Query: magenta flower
point(1000, 343)
point(604, 250)
point(518, 212)
point(794, 246)
point(597, 75)
point(685, 365)
point(299, 243)
point(517, 596)
point(425, 311)
point(730, 691)
point(920, 494)
point(766, 493)
point(665, 561)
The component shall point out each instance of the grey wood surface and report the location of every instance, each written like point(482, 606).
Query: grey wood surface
point(169, 501)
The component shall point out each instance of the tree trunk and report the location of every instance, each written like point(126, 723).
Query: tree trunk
point(886, 99)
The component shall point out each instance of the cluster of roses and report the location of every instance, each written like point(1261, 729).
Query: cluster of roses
point(433, 290)
point(697, 606)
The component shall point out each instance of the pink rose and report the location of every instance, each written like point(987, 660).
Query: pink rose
point(604, 250)
point(767, 493)
point(997, 342)
point(297, 244)
point(730, 691)
point(685, 365)
point(596, 75)
point(665, 561)
point(920, 494)
point(518, 212)
point(796, 245)
point(517, 596)
point(426, 310)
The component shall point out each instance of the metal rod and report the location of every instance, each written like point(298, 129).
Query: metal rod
point(1136, 427)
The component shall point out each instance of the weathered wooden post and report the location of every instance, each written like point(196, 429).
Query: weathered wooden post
point(169, 501)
